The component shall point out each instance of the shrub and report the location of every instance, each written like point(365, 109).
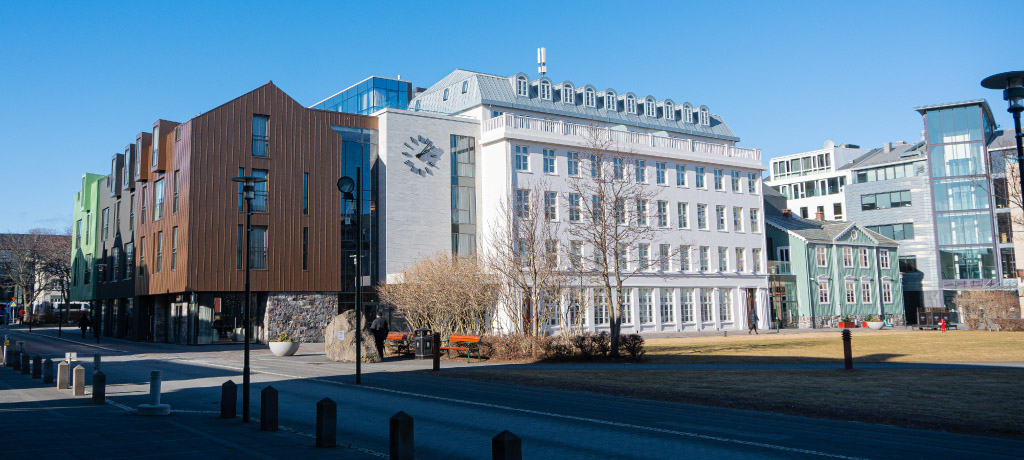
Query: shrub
point(602, 343)
point(633, 346)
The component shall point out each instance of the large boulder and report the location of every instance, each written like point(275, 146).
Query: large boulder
point(344, 351)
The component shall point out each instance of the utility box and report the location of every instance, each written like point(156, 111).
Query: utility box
point(423, 344)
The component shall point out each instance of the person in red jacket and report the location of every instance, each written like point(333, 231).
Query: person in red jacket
point(942, 324)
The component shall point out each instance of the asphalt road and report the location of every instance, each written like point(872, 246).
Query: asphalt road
point(455, 419)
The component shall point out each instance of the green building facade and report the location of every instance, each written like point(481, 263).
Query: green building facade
point(824, 271)
point(85, 239)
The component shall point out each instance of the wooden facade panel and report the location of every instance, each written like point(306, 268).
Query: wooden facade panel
point(168, 279)
point(300, 141)
point(144, 148)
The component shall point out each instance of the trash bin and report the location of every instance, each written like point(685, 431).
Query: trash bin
point(423, 343)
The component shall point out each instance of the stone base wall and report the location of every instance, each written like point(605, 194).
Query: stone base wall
point(826, 322)
point(303, 315)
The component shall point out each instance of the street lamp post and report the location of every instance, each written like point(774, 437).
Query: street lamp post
point(346, 185)
point(1012, 84)
point(248, 192)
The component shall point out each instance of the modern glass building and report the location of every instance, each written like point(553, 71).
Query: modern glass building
point(964, 212)
point(368, 96)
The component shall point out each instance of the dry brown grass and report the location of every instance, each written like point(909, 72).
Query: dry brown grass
point(980, 402)
point(868, 346)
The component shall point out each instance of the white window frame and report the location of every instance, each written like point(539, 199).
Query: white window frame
point(669, 110)
point(545, 90)
point(659, 172)
point(823, 293)
point(702, 216)
point(723, 259)
point(720, 224)
point(548, 155)
point(735, 175)
point(684, 258)
point(568, 94)
point(662, 214)
point(865, 292)
point(740, 260)
point(630, 104)
point(755, 221)
point(851, 292)
point(522, 86)
point(610, 101)
point(650, 110)
point(590, 97)
point(737, 219)
point(848, 257)
point(887, 292)
point(551, 205)
point(666, 300)
point(522, 153)
point(687, 113)
point(683, 209)
point(755, 259)
point(865, 258)
point(704, 258)
point(752, 183)
point(705, 116)
point(701, 179)
point(821, 256)
point(883, 259)
point(680, 175)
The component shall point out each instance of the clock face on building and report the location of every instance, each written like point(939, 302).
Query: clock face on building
point(422, 155)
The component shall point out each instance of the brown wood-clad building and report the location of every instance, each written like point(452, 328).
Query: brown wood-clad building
point(189, 218)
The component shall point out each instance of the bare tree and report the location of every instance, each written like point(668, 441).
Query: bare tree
point(524, 253)
point(617, 214)
point(56, 264)
point(23, 258)
point(445, 293)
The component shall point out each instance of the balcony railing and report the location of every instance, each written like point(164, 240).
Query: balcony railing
point(620, 137)
point(258, 258)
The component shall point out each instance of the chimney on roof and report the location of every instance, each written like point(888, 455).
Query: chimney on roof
point(787, 213)
point(887, 147)
point(819, 215)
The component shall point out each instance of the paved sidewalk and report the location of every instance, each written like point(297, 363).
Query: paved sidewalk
point(46, 423)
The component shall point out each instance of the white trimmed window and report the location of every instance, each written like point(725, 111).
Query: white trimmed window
point(659, 173)
point(640, 167)
point(702, 216)
point(523, 203)
point(684, 258)
point(545, 90)
point(883, 259)
point(705, 116)
point(737, 219)
point(823, 292)
point(522, 86)
point(549, 161)
point(719, 179)
point(851, 292)
point(667, 310)
point(641, 213)
point(664, 261)
point(646, 310)
point(574, 207)
point(572, 160)
point(610, 102)
point(626, 305)
point(649, 109)
point(704, 256)
point(522, 158)
point(687, 301)
point(706, 305)
point(887, 292)
point(631, 104)
point(751, 182)
point(644, 256)
point(681, 175)
point(735, 181)
point(600, 306)
point(589, 97)
point(568, 94)
point(740, 260)
point(720, 218)
point(670, 111)
point(698, 172)
point(865, 292)
point(684, 219)
point(723, 259)
point(551, 205)
point(821, 256)
point(755, 223)
point(865, 259)
point(688, 113)
point(755, 257)
point(725, 304)
point(662, 214)
point(847, 257)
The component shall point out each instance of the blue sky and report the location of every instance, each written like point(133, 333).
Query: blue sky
point(78, 80)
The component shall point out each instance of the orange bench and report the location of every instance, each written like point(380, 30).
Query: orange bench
point(400, 341)
point(470, 342)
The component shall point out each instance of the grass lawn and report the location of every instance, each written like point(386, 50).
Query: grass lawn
point(979, 402)
point(868, 346)
point(975, 401)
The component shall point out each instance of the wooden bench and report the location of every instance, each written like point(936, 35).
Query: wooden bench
point(467, 343)
point(399, 340)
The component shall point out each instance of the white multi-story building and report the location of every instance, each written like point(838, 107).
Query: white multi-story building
point(512, 132)
point(813, 182)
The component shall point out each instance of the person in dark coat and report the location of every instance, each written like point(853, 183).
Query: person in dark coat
point(752, 321)
point(379, 327)
point(84, 323)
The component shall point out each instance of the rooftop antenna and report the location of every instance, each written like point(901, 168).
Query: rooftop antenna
point(542, 61)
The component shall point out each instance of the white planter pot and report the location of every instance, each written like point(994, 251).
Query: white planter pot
point(875, 325)
point(284, 348)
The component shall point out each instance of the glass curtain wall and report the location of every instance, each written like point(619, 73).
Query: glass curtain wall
point(369, 96)
point(463, 195)
point(359, 150)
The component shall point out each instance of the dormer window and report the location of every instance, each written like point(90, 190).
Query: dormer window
point(609, 101)
point(670, 111)
point(688, 113)
point(630, 104)
point(705, 116)
point(590, 97)
point(649, 108)
point(568, 95)
point(445, 97)
point(522, 86)
point(417, 104)
point(465, 86)
point(545, 90)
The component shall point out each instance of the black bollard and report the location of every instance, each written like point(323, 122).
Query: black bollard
point(847, 351)
point(326, 423)
point(48, 372)
point(16, 360)
point(435, 350)
point(268, 409)
point(9, 356)
point(228, 399)
point(99, 388)
point(25, 364)
point(506, 446)
point(401, 444)
point(37, 365)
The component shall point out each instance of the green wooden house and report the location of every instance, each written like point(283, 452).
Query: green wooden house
point(85, 239)
point(821, 272)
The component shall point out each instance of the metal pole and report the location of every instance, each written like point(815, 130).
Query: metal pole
point(359, 275)
point(1020, 149)
point(245, 315)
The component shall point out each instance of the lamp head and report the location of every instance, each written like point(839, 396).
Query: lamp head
point(1012, 84)
point(346, 185)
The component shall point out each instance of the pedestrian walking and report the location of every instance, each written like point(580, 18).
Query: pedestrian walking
point(752, 321)
point(379, 327)
point(84, 323)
